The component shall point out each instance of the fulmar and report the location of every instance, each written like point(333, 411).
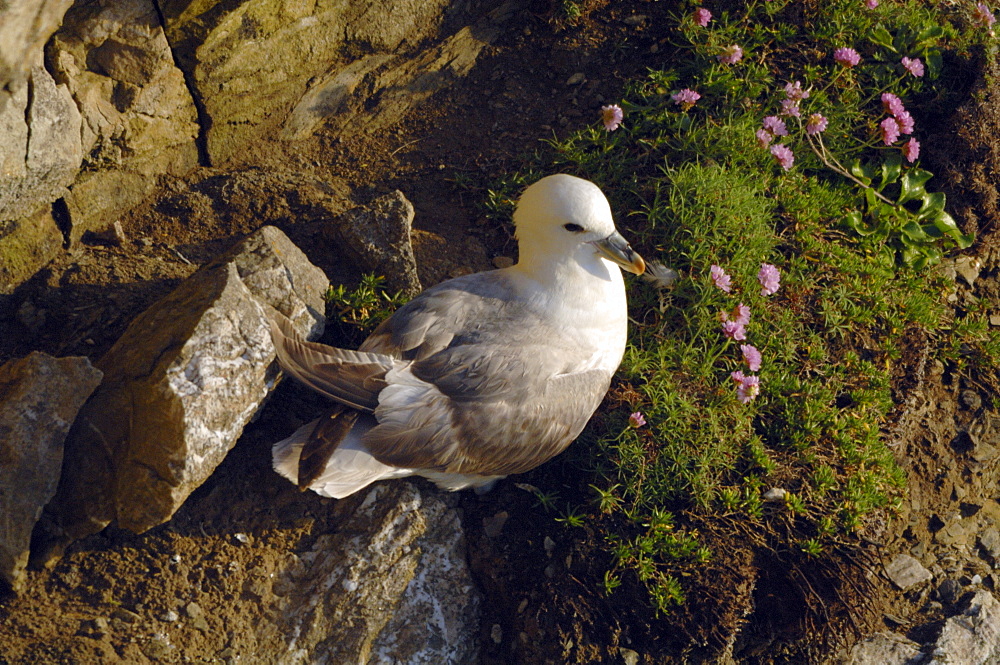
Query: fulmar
point(481, 376)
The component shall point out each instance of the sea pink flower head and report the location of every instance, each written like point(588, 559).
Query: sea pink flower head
point(612, 116)
point(751, 356)
point(816, 124)
point(905, 121)
point(890, 130)
point(764, 137)
point(984, 15)
point(911, 150)
point(775, 126)
point(871, 4)
point(733, 330)
point(740, 315)
point(686, 98)
point(795, 91)
point(790, 107)
point(770, 278)
point(721, 279)
point(636, 420)
point(847, 57)
point(892, 104)
point(783, 155)
point(702, 16)
point(913, 65)
point(730, 55)
point(747, 387)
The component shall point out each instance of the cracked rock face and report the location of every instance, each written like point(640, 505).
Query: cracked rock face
point(180, 385)
point(39, 398)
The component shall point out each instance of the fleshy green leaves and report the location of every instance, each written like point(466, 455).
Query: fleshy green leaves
point(903, 214)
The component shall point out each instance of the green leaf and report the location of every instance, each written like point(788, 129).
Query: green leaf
point(881, 37)
point(912, 184)
point(862, 172)
point(946, 224)
point(891, 168)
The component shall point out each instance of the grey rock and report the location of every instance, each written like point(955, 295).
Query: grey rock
point(96, 628)
point(399, 548)
point(179, 386)
point(949, 590)
point(886, 649)
point(629, 657)
point(972, 636)
point(906, 572)
point(39, 399)
point(989, 540)
point(42, 151)
point(968, 268)
point(377, 236)
point(25, 26)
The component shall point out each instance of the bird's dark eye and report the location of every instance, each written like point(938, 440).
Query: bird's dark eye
point(573, 228)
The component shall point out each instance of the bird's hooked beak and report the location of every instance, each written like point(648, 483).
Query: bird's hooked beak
point(616, 248)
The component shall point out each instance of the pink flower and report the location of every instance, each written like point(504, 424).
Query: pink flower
point(890, 130)
point(733, 330)
point(636, 420)
point(730, 55)
point(769, 278)
point(905, 121)
point(740, 315)
point(775, 126)
point(816, 124)
point(847, 57)
point(612, 116)
point(702, 16)
point(983, 14)
point(751, 356)
point(795, 92)
point(764, 137)
point(747, 387)
point(783, 155)
point(871, 4)
point(790, 107)
point(911, 150)
point(686, 98)
point(721, 279)
point(892, 104)
point(913, 65)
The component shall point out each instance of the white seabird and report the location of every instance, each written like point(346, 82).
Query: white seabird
point(480, 376)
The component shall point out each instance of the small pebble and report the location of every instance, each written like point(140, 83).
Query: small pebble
point(349, 585)
point(496, 633)
point(576, 79)
point(241, 538)
point(549, 545)
point(170, 616)
point(775, 494)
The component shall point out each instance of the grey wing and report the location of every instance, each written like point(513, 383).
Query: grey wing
point(353, 378)
point(488, 409)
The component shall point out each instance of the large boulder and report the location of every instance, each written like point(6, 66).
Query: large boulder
point(139, 119)
point(39, 399)
point(179, 387)
point(264, 68)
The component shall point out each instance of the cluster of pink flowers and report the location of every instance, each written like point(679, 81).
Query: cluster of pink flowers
point(984, 15)
point(702, 16)
point(899, 122)
point(730, 55)
point(774, 126)
point(636, 420)
point(871, 4)
point(612, 116)
point(847, 57)
point(913, 65)
point(685, 98)
point(734, 326)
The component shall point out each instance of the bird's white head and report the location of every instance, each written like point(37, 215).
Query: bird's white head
point(562, 217)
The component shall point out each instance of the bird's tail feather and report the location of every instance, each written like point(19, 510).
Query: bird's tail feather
point(350, 468)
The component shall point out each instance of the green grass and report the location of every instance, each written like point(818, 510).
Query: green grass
point(694, 188)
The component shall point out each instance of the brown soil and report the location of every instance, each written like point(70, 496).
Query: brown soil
point(759, 603)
